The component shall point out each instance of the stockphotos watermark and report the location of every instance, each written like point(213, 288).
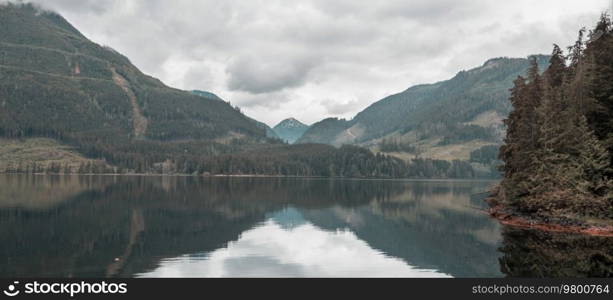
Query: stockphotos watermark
point(65, 288)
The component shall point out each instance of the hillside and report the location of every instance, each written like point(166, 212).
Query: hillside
point(290, 130)
point(206, 94)
point(37, 154)
point(72, 106)
point(56, 83)
point(269, 132)
point(444, 120)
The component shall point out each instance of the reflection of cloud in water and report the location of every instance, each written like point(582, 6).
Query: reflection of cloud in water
point(270, 250)
point(349, 216)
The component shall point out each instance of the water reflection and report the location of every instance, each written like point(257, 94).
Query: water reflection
point(532, 253)
point(274, 249)
point(183, 226)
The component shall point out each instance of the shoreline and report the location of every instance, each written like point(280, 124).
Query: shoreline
point(514, 219)
point(250, 176)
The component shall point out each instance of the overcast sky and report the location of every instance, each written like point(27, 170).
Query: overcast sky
point(313, 59)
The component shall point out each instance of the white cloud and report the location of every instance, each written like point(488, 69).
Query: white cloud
point(278, 58)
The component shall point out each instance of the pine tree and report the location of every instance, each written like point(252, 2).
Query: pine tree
point(534, 97)
point(593, 159)
point(511, 152)
point(572, 158)
point(599, 86)
point(556, 72)
point(555, 162)
point(576, 51)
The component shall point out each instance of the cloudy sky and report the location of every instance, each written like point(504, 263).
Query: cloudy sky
point(312, 59)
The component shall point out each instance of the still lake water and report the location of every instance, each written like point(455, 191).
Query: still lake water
point(113, 226)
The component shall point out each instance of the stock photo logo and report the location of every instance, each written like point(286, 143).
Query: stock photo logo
point(12, 289)
point(65, 288)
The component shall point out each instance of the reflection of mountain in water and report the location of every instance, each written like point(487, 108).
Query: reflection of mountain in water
point(121, 226)
point(430, 225)
point(44, 192)
point(270, 250)
point(531, 253)
point(129, 223)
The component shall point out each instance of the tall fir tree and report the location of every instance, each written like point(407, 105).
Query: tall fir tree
point(557, 151)
point(599, 52)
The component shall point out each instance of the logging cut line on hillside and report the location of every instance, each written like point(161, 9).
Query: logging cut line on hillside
point(63, 52)
point(139, 122)
point(52, 75)
point(350, 133)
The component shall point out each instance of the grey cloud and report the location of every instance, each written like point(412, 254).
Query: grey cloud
point(269, 53)
point(429, 11)
point(83, 6)
point(338, 108)
point(198, 78)
point(425, 11)
point(271, 100)
point(259, 75)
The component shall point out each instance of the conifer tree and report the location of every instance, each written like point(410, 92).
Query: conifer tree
point(599, 53)
point(556, 72)
point(576, 51)
point(557, 151)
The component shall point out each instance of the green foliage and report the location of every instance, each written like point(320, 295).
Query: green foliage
point(556, 163)
point(460, 133)
point(432, 168)
point(393, 145)
point(598, 75)
point(485, 155)
point(324, 131)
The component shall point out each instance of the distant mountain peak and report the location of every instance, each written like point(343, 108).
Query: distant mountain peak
point(290, 123)
point(290, 130)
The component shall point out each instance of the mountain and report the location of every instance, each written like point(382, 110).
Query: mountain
point(443, 120)
point(70, 105)
point(290, 130)
point(326, 131)
point(55, 83)
point(269, 132)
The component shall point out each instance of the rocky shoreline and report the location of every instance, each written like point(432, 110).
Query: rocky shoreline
point(510, 217)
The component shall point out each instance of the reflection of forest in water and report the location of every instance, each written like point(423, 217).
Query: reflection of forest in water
point(533, 253)
point(120, 226)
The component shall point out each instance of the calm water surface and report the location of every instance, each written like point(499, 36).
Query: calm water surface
point(110, 226)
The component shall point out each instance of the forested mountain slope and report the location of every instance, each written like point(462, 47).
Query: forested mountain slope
point(269, 132)
point(468, 107)
point(100, 114)
point(56, 83)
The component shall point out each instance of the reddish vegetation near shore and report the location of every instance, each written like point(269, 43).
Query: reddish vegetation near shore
point(498, 212)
